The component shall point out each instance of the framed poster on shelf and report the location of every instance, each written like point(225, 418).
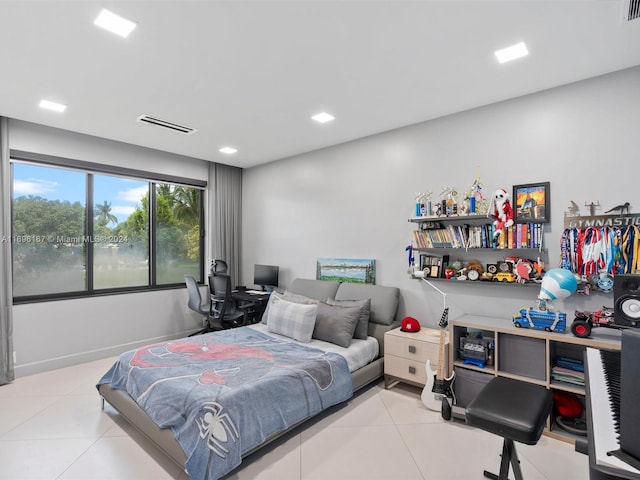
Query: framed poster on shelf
point(532, 203)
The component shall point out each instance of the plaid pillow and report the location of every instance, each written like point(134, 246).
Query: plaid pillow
point(288, 296)
point(293, 320)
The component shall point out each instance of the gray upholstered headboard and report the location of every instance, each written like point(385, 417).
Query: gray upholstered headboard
point(384, 301)
point(317, 289)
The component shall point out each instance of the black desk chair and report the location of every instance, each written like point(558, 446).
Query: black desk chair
point(514, 410)
point(218, 266)
point(195, 302)
point(225, 311)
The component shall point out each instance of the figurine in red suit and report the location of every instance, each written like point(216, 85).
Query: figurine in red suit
point(502, 212)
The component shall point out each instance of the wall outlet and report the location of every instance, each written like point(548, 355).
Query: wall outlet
point(15, 357)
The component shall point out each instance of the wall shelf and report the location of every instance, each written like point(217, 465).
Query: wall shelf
point(439, 241)
point(488, 283)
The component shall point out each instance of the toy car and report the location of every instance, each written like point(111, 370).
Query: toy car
point(584, 321)
point(504, 277)
point(548, 321)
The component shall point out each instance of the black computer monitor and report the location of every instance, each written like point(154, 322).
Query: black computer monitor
point(266, 276)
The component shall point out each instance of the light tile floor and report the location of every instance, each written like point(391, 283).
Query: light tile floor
point(52, 427)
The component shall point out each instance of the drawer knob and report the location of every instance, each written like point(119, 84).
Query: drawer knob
point(412, 370)
point(412, 349)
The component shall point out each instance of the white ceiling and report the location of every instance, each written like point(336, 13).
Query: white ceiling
point(251, 73)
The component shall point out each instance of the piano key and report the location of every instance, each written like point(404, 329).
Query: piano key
point(602, 366)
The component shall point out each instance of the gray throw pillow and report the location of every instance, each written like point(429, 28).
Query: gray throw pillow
point(336, 324)
point(362, 328)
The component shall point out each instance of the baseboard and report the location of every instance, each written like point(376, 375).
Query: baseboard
point(89, 356)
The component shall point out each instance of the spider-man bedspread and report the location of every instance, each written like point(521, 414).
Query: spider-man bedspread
point(225, 393)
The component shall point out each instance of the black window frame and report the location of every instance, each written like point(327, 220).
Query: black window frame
point(90, 169)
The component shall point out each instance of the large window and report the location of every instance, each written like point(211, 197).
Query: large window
point(80, 233)
point(121, 232)
point(49, 226)
point(177, 232)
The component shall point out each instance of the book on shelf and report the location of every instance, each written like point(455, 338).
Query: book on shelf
point(569, 363)
point(521, 235)
point(421, 239)
point(464, 238)
point(567, 375)
point(569, 370)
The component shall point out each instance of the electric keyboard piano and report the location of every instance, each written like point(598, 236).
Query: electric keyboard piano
point(604, 419)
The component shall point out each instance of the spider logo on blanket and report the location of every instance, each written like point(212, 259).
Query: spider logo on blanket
point(218, 427)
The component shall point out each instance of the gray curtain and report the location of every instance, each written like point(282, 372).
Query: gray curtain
point(7, 374)
point(225, 207)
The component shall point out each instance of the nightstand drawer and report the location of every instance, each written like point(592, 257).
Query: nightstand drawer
point(411, 349)
point(406, 369)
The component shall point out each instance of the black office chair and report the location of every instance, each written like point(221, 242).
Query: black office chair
point(218, 266)
point(225, 311)
point(195, 302)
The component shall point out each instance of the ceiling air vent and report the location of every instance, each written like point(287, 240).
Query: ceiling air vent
point(631, 9)
point(163, 123)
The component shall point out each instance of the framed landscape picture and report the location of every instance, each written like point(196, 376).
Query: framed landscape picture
point(531, 203)
point(352, 270)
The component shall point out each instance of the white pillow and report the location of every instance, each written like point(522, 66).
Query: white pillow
point(293, 320)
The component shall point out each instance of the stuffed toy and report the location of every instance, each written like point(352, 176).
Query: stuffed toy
point(501, 210)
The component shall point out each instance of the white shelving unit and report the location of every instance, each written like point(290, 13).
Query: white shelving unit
point(523, 354)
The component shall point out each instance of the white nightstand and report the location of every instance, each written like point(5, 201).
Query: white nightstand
point(406, 354)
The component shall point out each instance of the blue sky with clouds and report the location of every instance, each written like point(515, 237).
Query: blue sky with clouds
point(66, 185)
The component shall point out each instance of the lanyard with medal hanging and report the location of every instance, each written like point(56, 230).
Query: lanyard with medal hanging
point(607, 253)
point(629, 249)
point(591, 248)
point(634, 255)
point(617, 237)
point(580, 260)
point(565, 250)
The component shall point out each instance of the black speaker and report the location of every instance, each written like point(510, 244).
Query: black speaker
point(626, 297)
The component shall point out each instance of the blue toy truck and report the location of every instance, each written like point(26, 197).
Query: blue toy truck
point(549, 321)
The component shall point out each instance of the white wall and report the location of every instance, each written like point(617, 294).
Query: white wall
point(50, 335)
point(354, 200)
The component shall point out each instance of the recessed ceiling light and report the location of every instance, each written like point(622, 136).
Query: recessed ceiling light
point(228, 150)
point(511, 53)
point(114, 23)
point(323, 117)
point(56, 107)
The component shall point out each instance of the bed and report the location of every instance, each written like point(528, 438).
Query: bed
point(209, 401)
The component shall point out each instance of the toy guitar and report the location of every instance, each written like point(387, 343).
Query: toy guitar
point(438, 388)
